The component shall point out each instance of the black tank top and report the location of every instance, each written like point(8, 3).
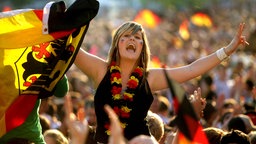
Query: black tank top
point(140, 105)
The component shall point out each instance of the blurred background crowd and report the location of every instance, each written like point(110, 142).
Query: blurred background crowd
point(179, 32)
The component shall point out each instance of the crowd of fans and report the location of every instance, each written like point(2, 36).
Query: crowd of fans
point(229, 89)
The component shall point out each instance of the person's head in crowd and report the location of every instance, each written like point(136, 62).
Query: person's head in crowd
point(45, 123)
point(207, 86)
point(226, 116)
point(78, 82)
point(213, 134)
point(222, 72)
point(164, 104)
point(143, 139)
point(231, 104)
point(49, 109)
point(249, 108)
point(235, 137)
point(52, 108)
point(241, 122)
point(249, 84)
point(155, 125)
point(54, 136)
point(238, 68)
point(90, 110)
point(209, 114)
point(76, 100)
point(252, 137)
point(163, 108)
point(252, 115)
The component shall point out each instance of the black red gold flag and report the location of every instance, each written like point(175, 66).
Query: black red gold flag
point(190, 130)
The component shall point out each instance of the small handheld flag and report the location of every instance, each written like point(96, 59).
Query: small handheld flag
point(190, 130)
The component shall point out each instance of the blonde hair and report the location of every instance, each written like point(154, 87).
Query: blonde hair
point(134, 27)
point(57, 136)
point(155, 125)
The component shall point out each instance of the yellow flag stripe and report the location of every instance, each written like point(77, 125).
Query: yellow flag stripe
point(22, 29)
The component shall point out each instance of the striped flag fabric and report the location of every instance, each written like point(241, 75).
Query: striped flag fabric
point(37, 47)
point(190, 130)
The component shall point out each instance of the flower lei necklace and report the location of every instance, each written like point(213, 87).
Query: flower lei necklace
point(116, 89)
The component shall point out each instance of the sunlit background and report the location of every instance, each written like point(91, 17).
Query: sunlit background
point(179, 31)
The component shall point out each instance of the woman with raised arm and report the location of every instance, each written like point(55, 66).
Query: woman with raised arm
point(125, 82)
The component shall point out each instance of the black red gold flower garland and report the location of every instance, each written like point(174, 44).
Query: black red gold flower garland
point(116, 89)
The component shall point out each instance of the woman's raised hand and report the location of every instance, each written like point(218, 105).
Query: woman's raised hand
point(237, 40)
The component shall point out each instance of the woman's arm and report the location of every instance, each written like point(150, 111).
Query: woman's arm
point(91, 65)
point(157, 79)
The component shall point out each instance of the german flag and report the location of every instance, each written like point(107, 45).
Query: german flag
point(201, 19)
point(37, 47)
point(190, 130)
point(184, 30)
point(155, 62)
point(147, 18)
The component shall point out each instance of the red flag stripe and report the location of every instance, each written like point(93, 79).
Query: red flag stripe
point(19, 110)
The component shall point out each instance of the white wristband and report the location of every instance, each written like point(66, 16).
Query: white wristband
point(221, 54)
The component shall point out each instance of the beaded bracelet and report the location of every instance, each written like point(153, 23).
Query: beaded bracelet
point(221, 54)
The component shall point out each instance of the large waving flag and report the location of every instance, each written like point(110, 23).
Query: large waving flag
point(190, 130)
point(37, 47)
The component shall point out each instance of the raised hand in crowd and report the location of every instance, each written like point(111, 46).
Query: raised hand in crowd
point(198, 102)
point(78, 130)
point(116, 136)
